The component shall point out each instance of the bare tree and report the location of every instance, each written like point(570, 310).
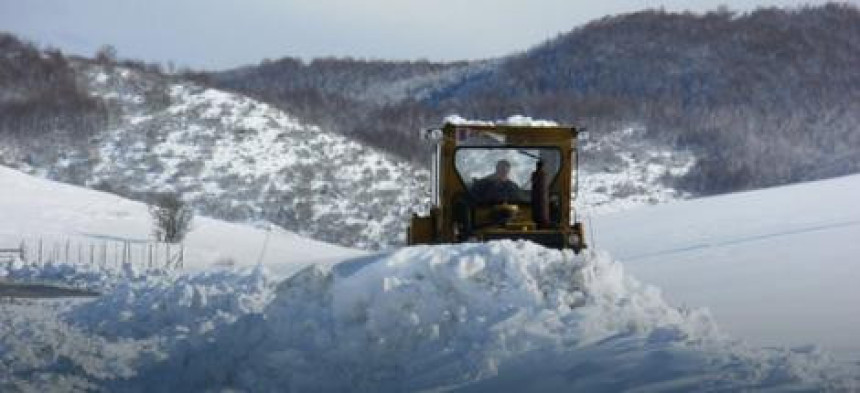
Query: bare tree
point(106, 55)
point(171, 217)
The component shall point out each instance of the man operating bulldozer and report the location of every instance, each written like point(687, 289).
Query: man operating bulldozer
point(497, 187)
point(470, 205)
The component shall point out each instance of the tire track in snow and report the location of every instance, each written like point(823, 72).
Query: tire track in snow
point(746, 239)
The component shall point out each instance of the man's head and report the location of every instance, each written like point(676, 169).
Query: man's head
point(503, 168)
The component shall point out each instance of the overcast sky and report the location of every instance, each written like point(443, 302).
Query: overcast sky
point(218, 34)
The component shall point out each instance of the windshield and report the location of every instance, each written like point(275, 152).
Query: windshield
point(508, 168)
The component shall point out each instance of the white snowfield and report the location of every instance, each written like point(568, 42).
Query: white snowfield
point(776, 267)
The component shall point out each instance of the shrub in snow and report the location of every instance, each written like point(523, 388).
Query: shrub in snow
point(171, 217)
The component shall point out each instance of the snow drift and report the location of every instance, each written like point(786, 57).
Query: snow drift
point(477, 317)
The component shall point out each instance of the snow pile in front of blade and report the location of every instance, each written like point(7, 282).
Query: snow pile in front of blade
point(513, 120)
point(478, 317)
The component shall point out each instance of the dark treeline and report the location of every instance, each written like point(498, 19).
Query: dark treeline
point(347, 76)
point(347, 95)
point(763, 98)
point(48, 111)
point(43, 104)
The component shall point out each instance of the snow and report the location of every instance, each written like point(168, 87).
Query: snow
point(174, 307)
point(513, 120)
point(35, 208)
point(623, 170)
point(776, 267)
point(241, 159)
point(262, 309)
point(472, 317)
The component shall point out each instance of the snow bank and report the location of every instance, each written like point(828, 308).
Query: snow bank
point(185, 305)
point(39, 352)
point(476, 317)
point(90, 277)
point(139, 321)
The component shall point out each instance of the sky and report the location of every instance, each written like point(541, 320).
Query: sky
point(220, 34)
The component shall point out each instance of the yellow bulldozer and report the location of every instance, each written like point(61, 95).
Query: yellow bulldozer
point(497, 181)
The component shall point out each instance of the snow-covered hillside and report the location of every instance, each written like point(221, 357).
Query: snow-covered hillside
point(623, 169)
point(472, 317)
point(239, 159)
point(420, 87)
point(34, 208)
point(778, 266)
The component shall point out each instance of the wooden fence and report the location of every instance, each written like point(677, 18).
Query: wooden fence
point(108, 253)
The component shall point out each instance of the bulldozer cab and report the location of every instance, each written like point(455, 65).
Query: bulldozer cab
point(501, 182)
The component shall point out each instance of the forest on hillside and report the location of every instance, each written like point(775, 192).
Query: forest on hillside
point(763, 98)
point(42, 102)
